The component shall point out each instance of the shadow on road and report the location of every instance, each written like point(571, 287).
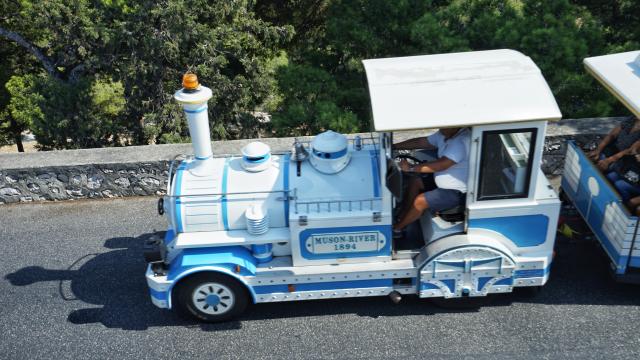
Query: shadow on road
point(112, 290)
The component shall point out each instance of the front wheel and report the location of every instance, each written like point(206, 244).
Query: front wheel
point(211, 297)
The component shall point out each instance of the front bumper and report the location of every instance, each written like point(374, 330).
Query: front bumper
point(159, 288)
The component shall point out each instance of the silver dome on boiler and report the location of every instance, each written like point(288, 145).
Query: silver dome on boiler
point(330, 152)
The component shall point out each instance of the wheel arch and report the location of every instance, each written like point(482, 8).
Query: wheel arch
point(187, 274)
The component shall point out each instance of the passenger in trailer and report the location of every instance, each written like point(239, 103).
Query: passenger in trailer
point(626, 178)
point(442, 183)
point(616, 156)
point(616, 144)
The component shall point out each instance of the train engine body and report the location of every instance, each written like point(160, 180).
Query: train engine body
point(316, 222)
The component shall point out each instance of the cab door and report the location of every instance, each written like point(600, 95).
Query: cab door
point(509, 196)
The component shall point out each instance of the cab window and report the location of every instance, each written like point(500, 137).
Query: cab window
point(505, 164)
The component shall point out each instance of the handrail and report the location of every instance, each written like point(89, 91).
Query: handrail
point(370, 140)
point(348, 202)
point(232, 193)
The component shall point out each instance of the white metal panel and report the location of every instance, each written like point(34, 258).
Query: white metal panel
point(231, 237)
point(458, 89)
point(620, 74)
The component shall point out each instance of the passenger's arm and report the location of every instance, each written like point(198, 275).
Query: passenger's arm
point(631, 150)
point(415, 143)
point(613, 134)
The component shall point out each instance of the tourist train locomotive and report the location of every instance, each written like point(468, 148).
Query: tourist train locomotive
point(316, 222)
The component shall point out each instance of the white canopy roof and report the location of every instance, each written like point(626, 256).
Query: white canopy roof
point(620, 74)
point(459, 89)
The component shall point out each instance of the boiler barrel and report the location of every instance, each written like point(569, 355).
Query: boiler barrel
point(218, 201)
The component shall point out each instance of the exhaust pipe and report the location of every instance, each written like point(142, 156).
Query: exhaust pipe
point(193, 98)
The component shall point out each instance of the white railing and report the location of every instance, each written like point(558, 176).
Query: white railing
point(338, 205)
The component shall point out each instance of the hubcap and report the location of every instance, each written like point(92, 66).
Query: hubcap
point(213, 298)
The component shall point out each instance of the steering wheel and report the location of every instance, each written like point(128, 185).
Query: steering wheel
point(411, 159)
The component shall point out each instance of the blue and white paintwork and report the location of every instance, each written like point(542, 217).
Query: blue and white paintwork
point(330, 232)
point(602, 208)
point(338, 248)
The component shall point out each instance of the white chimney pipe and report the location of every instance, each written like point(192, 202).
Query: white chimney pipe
point(193, 98)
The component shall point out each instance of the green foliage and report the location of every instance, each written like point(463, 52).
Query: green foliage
point(85, 114)
point(145, 47)
point(309, 103)
point(92, 73)
point(556, 34)
point(620, 19)
point(222, 42)
point(21, 109)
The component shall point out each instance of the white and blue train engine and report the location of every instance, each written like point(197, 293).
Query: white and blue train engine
point(316, 222)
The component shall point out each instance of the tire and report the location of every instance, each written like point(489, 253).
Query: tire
point(211, 297)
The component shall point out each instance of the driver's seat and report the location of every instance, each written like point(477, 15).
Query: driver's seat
point(455, 213)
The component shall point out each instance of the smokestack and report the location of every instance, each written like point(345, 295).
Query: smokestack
point(193, 98)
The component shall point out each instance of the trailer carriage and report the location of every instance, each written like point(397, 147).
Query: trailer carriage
point(595, 198)
point(315, 223)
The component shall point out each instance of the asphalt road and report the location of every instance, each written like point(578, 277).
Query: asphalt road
point(72, 286)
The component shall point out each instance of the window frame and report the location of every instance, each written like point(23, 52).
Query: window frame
point(532, 149)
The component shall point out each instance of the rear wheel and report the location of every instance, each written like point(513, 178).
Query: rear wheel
point(211, 297)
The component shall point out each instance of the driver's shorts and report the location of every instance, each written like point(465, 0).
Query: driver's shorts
point(443, 199)
point(440, 199)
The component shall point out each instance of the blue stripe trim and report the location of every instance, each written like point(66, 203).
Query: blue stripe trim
point(336, 285)
point(460, 264)
point(482, 281)
point(162, 296)
point(285, 180)
point(178, 186)
point(203, 158)
point(507, 281)
point(376, 172)
point(451, 284)
point(428, 286)
point(531, 273)
point(198, 110)
point(257, 160)
point(225, 173)
point(168, 236)
point(329, 155)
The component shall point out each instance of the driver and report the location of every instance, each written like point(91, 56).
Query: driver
point(443, 182)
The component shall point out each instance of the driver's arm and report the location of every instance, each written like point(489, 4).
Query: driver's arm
point(415, 143)
point(441, 164)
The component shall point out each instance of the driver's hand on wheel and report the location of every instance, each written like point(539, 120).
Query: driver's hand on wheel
point(404, 165)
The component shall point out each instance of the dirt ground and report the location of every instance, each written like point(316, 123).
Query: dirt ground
point(29, 146)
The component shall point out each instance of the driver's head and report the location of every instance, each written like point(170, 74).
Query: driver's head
point(449, 132)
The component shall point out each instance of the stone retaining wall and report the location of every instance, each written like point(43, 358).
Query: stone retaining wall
point(143, 170)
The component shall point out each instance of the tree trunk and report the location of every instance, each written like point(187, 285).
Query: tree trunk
point(34, 50)
point(19, 143)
